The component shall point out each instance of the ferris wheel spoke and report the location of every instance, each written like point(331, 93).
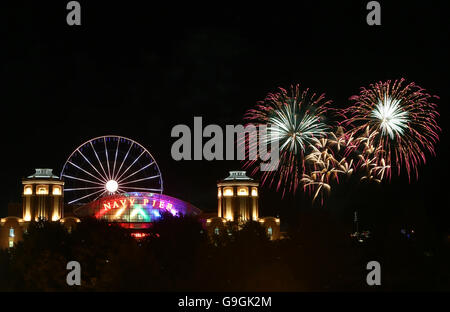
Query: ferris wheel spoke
point(143, 168)
point(101, 194)
point(78, 167)
point(125, 170)
point(138, 180)
point(96, 155)
point(83, 188)
point(137, 158)
point(142, 188)
point(107, 159)
point(115, 158)
point(123, 161)
point(92, 165)
point(86, 196)
point(80, 179)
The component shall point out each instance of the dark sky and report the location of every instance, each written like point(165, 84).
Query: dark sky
point(137, 71)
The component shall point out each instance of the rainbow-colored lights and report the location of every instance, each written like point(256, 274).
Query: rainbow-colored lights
point(139, 207)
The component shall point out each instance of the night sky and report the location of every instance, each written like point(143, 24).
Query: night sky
point(137, 71)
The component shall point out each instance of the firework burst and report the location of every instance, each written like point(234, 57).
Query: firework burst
point(397, 124)
point(326, 163)
point(390, 125)
point(299, 119)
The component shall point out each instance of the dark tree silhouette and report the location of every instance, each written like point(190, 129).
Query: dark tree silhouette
point(318, 255)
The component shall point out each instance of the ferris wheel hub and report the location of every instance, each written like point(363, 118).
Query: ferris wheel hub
point(112, 186)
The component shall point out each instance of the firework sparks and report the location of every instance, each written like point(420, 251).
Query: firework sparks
point(392, 119)
point(401, 122)
point(299, 119)
point(325, 163)
point(391, 125)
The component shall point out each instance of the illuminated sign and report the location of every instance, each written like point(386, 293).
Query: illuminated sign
point(139, 207)
point(137, 203)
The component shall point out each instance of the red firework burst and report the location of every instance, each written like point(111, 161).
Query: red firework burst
point(397, 121)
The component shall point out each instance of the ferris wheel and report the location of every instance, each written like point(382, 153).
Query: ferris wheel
point(109, 165)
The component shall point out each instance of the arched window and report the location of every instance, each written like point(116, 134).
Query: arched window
point(28, 190)
point(216, 231)
point(56, 190)
point(243, 191)
point(228, 191)
point(42, 190)
point(269, 231)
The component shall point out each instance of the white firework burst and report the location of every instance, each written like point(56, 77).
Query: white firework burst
point(392, 119)
point(298, 117)
point(296, 131)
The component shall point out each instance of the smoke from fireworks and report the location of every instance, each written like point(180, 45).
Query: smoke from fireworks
point(299, 119)
point(399, 122)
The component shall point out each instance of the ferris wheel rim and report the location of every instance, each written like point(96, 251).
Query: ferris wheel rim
point(119, 137)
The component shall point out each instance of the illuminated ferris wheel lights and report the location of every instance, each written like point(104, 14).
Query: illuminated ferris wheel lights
point(112, 186)
point(109, 165)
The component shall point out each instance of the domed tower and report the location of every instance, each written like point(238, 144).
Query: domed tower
point(238, 202)
point(43, 196)
point(238, 197)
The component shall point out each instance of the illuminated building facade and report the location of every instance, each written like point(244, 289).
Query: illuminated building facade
point(238, 202)
point(238, 197)
point(11, 231)
point(42, 198)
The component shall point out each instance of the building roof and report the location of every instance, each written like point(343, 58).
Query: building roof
point(238, 176)
point(43, 174)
